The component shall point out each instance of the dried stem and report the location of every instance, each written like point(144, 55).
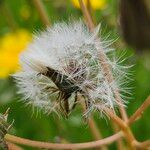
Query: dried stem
point(89, 7)
point(139, 111)
point(90, 10)
point(91, 122)
point(42, 12)
point(119, 142)
point(142, 145)
point(95, 131)
point(38, 144)
point(103, 59)
point(105, 67)
point(93, 127)
point(123, 125)
point(87, 16)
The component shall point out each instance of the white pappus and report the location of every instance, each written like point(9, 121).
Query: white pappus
point(63, 62)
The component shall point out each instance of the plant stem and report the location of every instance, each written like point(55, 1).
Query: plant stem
point(42, 12)
point(123, 125)
point(105, 66)
point(103, 60)
point(87, 16)
point(95, 131)
point(38, 144)
point(119, 142)
point(90, 10)
point(94, 128)
point(139, 111)
point(142, 145)
point(92, 124)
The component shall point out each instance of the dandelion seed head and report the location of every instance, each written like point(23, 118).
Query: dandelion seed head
point(63, 61)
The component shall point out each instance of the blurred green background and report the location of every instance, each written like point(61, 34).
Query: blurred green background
point(18, 20)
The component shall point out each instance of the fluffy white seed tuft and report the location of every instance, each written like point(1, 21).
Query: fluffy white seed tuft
point(71, 52)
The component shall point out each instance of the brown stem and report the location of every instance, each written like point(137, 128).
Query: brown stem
point(139, 111)
point(38, 144)
point(103, 60)
point(105, 66)
point(124, 127)
point(42, 12)
point(90, 10)
point(142, 145)
point(93, 127)
point(95, 131)
point(87, 16)
point(119, 142)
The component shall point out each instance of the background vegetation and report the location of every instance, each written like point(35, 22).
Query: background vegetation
point(18, 20)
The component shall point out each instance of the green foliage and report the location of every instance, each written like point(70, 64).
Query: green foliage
point(38, 126)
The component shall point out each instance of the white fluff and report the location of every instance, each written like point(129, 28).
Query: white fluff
point(73, 51)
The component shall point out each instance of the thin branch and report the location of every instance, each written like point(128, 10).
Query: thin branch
point(142, 145)
point(139, 111)
point(124, 127)
point(119, 142)
point(92, 124)
point(93, 127)
point(42, 12)
point(87, 16)
point(38, 144)
point(103, 60)
point(115, 118)
point(90, 10)
point(105, 67)
point(95, 131)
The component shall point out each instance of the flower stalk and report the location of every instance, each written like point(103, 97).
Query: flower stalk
point(109, 77)
point(124, 127)
point(105, 141)
point(139, 111)
point(38, 144)
point(103, 61)
point(93, 127)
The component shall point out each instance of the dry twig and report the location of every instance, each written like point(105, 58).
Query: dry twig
point(38, 144)
point(103, 59)
point(142, 145)
point(139, 111)
point(106, 68)
point(92, 124)
point(124, 127)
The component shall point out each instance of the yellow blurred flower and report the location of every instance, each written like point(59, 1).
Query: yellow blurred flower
point(11, 45)
point(95, 4)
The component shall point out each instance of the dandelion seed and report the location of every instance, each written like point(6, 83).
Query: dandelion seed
point(63, 62)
